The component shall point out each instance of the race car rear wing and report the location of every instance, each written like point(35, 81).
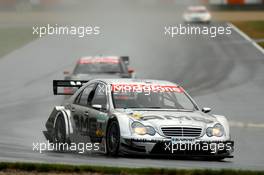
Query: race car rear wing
point(66, 87)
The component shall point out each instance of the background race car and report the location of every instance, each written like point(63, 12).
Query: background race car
point(197, 14)
point(99, 67)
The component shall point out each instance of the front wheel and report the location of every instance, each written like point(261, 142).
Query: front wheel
point(113, 138)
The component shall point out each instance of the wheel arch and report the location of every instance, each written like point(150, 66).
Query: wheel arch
point(111, 118)
point(65, 116)
point(123, 122)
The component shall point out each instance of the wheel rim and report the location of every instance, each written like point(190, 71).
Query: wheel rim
point(59, 132)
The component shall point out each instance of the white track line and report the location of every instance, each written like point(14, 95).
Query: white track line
point(246, 37)
point(245, 125)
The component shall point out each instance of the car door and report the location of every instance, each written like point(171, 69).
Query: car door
point(98, 113)
point(80, 111)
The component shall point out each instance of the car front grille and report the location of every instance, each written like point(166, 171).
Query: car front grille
point(181, 131)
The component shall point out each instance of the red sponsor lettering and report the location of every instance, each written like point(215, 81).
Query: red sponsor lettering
point(145, 88)
point(109, 60)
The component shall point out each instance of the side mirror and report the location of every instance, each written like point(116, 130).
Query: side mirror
point(66, 72)
point(125, 59)
point(206, 110)
point(130, 71)
point(97, 106)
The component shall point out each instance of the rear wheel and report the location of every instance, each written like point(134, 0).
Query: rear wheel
point(113, 138)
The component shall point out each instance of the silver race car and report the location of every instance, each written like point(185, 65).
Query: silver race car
point(92, 67)
point(130, 116)
point(197, 14)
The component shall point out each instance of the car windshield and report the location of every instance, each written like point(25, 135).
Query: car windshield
point(197, 11)
point(98, 68)
point(153, 96)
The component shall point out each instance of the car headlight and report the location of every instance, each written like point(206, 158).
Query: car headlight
point(217, 130)
point(140, 129)
point(150, 131)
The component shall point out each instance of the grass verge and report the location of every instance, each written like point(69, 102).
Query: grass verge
point(254, 29)
point(13, 38)
point(237, 15)
point(70, 169)
point(261, 44)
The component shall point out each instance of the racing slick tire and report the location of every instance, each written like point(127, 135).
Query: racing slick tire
point(60, 133)
point(113, 138)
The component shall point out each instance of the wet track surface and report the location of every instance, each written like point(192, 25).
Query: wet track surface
point(225, 73)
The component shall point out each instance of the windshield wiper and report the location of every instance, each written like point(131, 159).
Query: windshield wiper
point(138, 107)
point(154, 107)
point(185, 110)
point(157, 107)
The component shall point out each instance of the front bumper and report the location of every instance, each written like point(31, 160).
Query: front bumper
point(221, 149)
point(197, 20)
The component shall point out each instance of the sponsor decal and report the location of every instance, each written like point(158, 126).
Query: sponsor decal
point(137, 115)
point(99, 132)
point(176, 140)
point(188, 118)
point(109, 60)
point(140, 116)
point(101, 117)
point(152, 117)
point(140, 88)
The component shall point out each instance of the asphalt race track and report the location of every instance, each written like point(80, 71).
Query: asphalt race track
point(224, 73)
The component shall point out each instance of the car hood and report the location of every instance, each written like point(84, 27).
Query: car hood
point(159, 119)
